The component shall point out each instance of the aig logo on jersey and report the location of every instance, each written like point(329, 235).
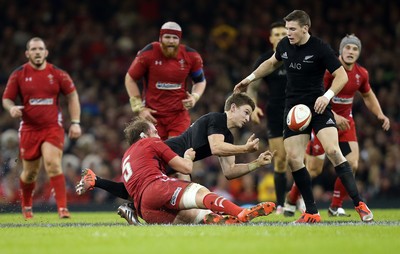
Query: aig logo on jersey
point(296, 66)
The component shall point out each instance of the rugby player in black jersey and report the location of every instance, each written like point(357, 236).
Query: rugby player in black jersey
point(305, 58)
point(209, 135)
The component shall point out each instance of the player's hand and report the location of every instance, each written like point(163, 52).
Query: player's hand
point(74, 131)
point(385, 122)
point(146, 113)
point(190, 154)
point(16, 111)
point(189, 102)
point(265, 158)
point(257, 113)
point(252, 143)
point(342, 123)
point(320, 104)
point(242, 86)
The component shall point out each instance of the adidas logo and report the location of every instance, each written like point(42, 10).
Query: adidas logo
point(330, 122)
point(284, 55)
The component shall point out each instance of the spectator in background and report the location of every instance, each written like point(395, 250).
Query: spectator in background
point(275, 106)
point(164, 67)
point(38, 84)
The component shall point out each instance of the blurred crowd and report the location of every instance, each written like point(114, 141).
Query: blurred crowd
point(96, 42)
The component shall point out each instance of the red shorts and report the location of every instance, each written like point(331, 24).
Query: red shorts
point(31, 141)
point(160, 200)
point(314, 146)
point(174, 125)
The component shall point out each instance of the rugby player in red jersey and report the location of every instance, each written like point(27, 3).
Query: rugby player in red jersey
point(164, 67)
point(37, 85)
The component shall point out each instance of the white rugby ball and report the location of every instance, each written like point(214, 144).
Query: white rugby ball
point(299, 117)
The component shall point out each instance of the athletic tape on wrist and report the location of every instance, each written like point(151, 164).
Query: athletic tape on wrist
point(251, 77)
point(329, 94)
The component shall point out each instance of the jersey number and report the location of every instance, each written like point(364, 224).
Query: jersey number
point(127, 170)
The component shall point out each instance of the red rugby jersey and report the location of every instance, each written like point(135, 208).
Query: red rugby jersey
point(342, 103)
point(39, 92)
point(164, 78)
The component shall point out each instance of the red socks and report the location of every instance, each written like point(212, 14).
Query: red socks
point(26, 193)
point(220, 204)
point(339, 193)
point(58, 184)
point(294, 194)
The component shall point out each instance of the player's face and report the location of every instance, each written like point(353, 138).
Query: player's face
point(169, 45)
point(277, 33)
point(296, 33)
point(153, 133)
point(350, 54)
point(241, 115)
point(37, 53)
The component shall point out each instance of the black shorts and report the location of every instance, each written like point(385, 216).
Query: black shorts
point(275, 120)
point(318, 122)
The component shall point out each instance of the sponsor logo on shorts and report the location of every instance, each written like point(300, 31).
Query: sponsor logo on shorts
point(175, 196)
point(47, 101)
point(168, 86)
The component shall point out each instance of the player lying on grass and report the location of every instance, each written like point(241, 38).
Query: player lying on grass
point(160, 199)
point(209, 135)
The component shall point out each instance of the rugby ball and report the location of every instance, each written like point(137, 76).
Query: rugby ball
point(299, 117)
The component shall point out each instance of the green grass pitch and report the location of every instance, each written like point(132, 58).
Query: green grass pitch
point(106, 232)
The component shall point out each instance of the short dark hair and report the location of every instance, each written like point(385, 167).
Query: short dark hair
point(277, 24)
point(34, 39)
point(300, 16)
point(239, 99)
point(134, 128)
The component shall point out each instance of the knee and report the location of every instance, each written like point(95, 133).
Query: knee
point(52, 167)
point(29, 175)
point(280, 164)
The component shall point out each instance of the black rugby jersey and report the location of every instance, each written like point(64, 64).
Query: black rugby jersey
point(305, 66)
point(196, 136)
point(276, 81)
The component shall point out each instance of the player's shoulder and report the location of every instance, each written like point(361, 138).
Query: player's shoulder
point(361, 70)
point(188, 49)
point(55, 69)
point(18, 70)
point(149, 48)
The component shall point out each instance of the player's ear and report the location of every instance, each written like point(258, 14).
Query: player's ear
point(46, 53)
point(233, 107)
point(27, 54)
point(143, 135)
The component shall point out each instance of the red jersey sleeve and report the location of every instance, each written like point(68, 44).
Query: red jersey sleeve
point(164, 151)
point(66, 84)
point(365, 86)
point(11, 91)
point(140, 64)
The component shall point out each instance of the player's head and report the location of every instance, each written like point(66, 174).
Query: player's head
point(297, 24)
point(139, 128)
point(350, 49)
point(238, 108)
point(36, 52)
point(170, 37)
point(277, 32)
